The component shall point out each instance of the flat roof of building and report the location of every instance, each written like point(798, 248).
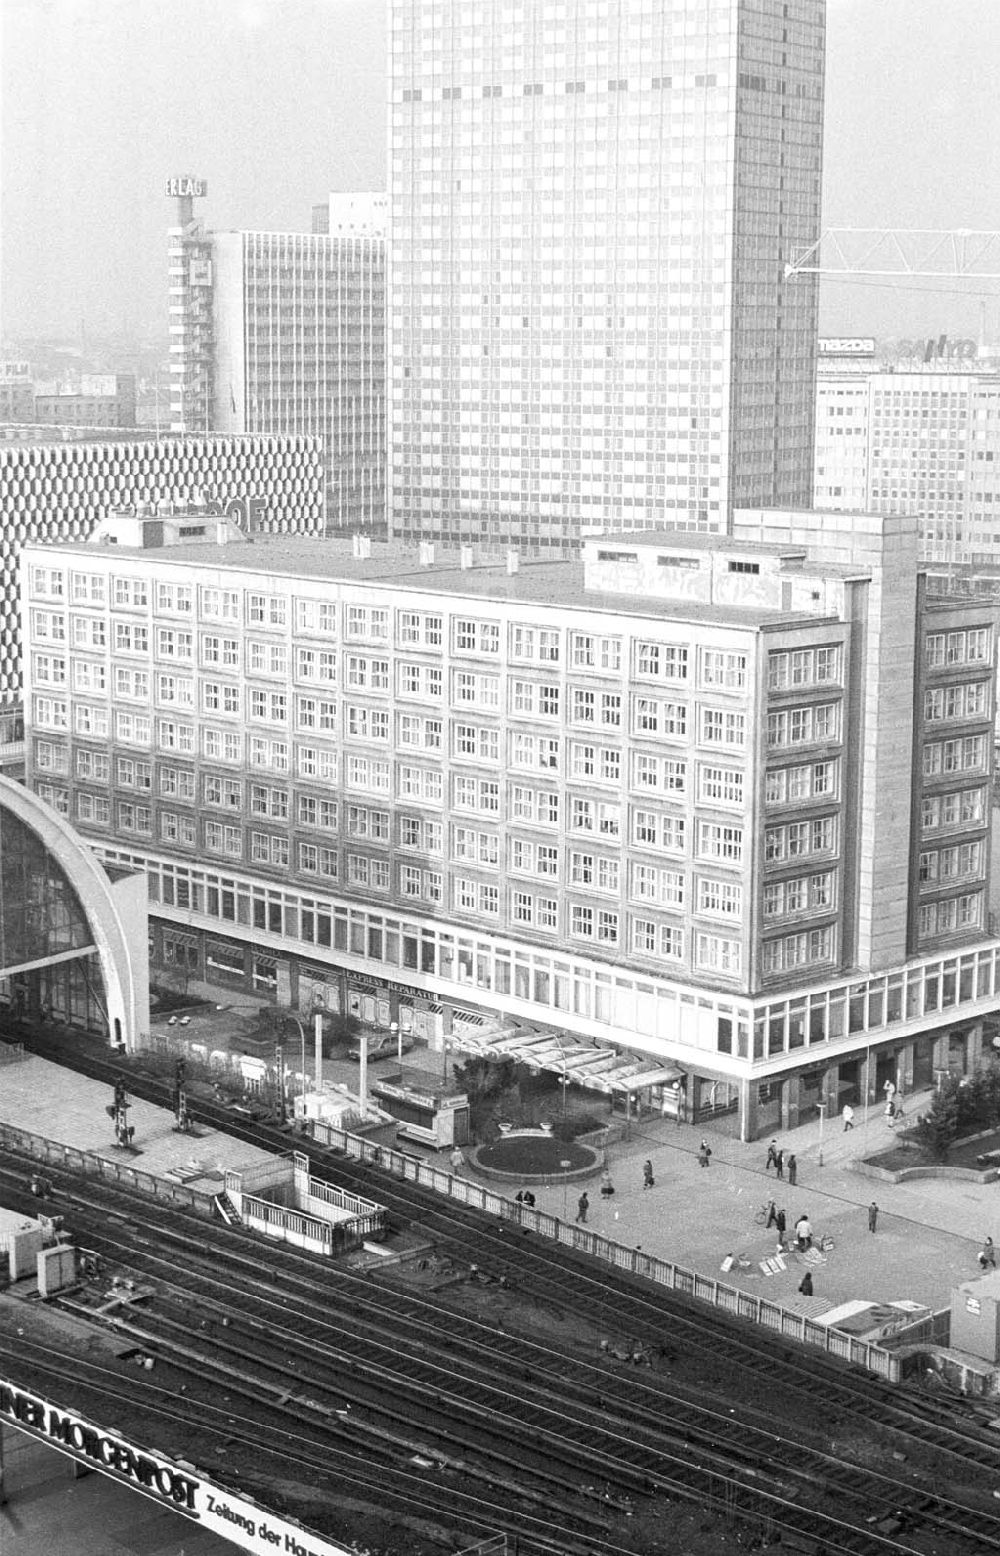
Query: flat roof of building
point(398, 565)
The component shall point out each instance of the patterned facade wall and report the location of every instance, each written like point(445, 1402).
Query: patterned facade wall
point(59, 491)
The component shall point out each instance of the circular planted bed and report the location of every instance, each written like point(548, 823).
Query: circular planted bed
point(536, 1156)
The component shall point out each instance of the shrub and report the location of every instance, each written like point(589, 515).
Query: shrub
point(936, 1129)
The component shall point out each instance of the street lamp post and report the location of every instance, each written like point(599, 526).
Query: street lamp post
point(822, 1115)
point(565, 1165)
point(397, 1030)
point(318, 1036)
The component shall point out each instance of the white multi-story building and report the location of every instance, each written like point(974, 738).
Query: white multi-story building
point(721, 804)
point(56, 491)
point(284, 332)
point(592, 208)
point(924, 443)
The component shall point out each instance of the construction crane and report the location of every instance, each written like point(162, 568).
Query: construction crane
point(959, 255)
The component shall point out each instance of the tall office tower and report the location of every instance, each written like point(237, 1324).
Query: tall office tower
point(284, 332)
point(592, 208)
point(189, 250)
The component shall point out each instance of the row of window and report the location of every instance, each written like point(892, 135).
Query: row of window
point(715, 785)
point(960, 808)
point(950, 915)
point(426, 630)
point(649, 883)
point(969, 754)
point(811, 725)
point(649, 716)
point(796, 785)
point(807, 948)
point(788, 670)
point(968, 647)
point(961, 861)
point(967, 700)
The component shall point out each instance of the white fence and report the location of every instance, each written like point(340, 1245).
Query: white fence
point(743, 1304)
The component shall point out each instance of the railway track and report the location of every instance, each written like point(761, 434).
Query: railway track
point(604, 1440)
point(630, 1436)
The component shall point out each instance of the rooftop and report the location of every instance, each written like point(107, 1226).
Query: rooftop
point(398, 566)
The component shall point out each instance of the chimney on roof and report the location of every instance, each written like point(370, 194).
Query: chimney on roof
point(513, 562)
point(427, 553)
point(361, 546)
point(465, 558)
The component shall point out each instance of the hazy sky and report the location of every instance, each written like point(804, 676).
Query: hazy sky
point(276, 102)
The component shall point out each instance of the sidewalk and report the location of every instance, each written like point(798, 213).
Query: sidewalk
point(928, 1232)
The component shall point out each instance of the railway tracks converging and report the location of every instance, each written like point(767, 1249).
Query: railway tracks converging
point(560, 1444)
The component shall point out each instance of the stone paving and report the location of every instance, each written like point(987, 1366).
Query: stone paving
point(926, 1240)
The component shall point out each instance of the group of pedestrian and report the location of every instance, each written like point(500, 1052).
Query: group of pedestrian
point(776, 1159)
point(607, 1189)
point(893, 1108)
point(526, 1198)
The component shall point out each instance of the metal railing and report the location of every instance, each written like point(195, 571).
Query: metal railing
point(663, 1272)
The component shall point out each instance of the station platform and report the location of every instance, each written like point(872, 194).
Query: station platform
point(45, 1099)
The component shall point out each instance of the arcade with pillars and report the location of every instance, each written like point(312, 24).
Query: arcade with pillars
point(858, 1078)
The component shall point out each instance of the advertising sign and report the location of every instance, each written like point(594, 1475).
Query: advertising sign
point(177, 188)
point(173, 1483)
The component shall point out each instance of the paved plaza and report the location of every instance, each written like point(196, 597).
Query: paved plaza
point(927, 1234)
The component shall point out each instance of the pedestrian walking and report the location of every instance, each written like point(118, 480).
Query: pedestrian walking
point(890, 1090)
point(779, 1164)
point(890, 1113)
point(457, 1159)
point(803, 1232)
point(987, 1255)
point(647, 1175)
point(848, 1116)
point(872, 1216)
point(793, 1170)
point(582, 1206)
point(772, 1155)
point(704, 1154)
point(780, 1224)
point(772, 1215)
point(806, 1284)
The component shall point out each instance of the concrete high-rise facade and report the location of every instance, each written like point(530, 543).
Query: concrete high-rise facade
point(284, 332)
point(592, 207)
point(923, 443)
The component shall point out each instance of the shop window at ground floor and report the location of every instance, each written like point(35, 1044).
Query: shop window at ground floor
point(265, 974)
point(225, 961)
point(768, 1105)
point(810, 1095)
point(180, 953)
point(958, 1052)
point(923, 1063)
point(713, 1099)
